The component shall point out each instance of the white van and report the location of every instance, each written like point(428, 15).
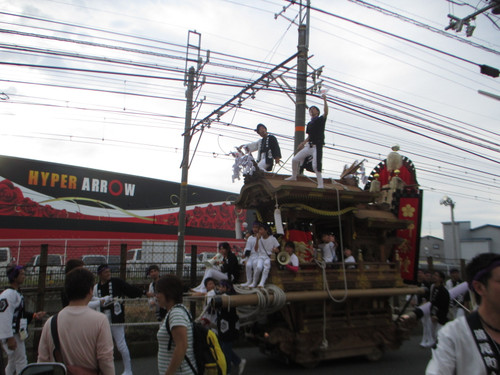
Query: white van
point(5, 257)
point(93, 261)
point(54, 265)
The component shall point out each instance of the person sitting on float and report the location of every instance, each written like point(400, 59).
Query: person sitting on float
point(349, 259)
point(229, 269)
point(265, 245)
point(251, 254)
point(328, 248)
point(293, 263)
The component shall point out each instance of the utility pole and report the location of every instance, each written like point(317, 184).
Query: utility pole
point(447, 201)
point(457, 23)
point(185, 168)
point(191, 80)
point(303, 48)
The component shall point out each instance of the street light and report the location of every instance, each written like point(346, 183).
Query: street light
point(447, 201)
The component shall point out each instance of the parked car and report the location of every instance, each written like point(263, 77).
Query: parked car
point(93, 261)
point(114, 263)
point(5, 261)
point(5, 257)
point(54, 265)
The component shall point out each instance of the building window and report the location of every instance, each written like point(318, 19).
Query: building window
point(435, 246)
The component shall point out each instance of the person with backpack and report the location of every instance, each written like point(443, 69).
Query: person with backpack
point(228, 327)
point(175, 342)
point(184, 346)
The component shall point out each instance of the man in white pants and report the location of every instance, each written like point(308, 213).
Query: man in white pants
point(266, 244)
point(14, 321)
point(113, 287)
point(251, 255)
point(312, 146)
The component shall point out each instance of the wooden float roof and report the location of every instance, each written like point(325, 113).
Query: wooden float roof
point(261, 192)
point(266, 188)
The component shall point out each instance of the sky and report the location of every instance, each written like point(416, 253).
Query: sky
point(101, 85)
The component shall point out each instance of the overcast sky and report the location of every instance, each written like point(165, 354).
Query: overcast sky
point(100, 85)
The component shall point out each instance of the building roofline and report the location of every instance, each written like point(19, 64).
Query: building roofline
point(486, 225)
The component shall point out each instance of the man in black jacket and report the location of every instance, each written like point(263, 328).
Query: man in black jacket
point(267, 147)
point(109, 290)
point(310, 151)
point(440, 303)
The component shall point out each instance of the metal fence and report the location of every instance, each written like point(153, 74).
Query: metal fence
point(44, 259)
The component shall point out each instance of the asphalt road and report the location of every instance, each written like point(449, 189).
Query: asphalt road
point(410, 359)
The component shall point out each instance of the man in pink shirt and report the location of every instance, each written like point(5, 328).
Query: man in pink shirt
point(84, 334)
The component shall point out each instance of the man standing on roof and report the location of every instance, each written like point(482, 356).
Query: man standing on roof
point(267, 147)
point(312, 146)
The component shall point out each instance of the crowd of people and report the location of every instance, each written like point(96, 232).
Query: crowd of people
point(464, 340)
point(461, 320)
point(100, 304)
point(81, 335)
point(442, 307)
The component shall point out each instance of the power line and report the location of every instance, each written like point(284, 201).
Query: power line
point(395, 36)
point(423, 25)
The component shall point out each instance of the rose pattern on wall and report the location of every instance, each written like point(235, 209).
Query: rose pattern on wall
point(213, 216)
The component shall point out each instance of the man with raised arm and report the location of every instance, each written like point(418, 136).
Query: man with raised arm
point(312, 147)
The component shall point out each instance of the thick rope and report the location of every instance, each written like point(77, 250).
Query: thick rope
point(250, 314)
point(316, 210)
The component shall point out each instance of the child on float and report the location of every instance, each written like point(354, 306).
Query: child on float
point(328, 248)
point(251, 254)
point(265, 245)
point(293, 264)
point(209, 315)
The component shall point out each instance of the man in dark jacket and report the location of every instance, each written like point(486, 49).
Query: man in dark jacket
point(228, 327)
point(311, 149)
point(440, 302)
point(267, 147)
point(109, 290)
